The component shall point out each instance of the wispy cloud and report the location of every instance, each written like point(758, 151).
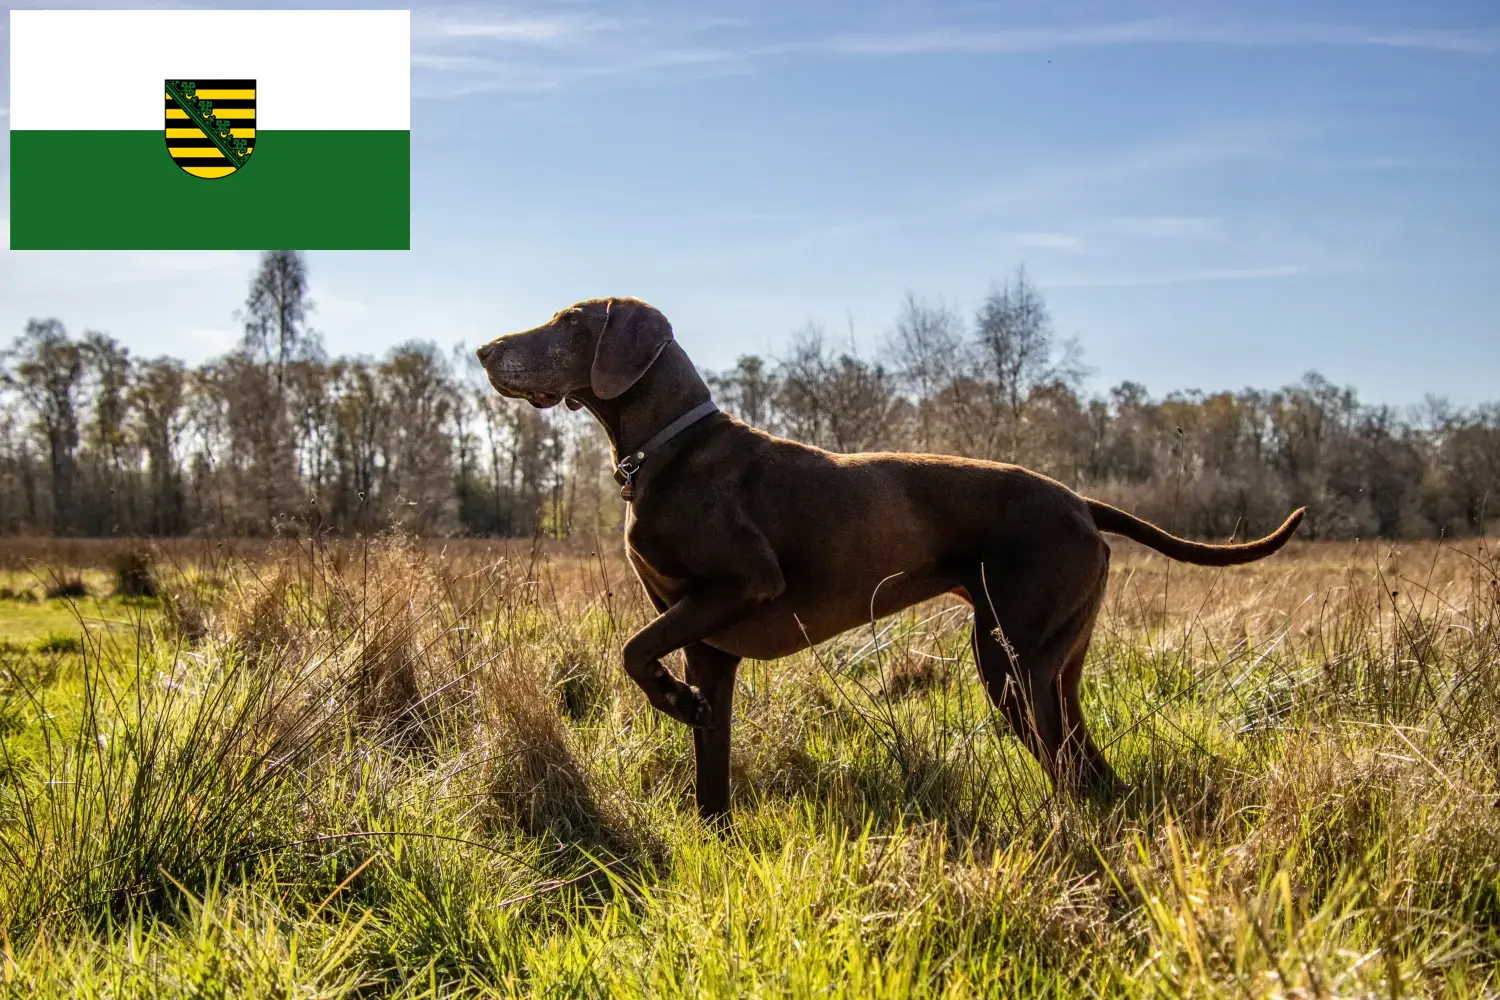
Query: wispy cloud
point(1480, 41)
point(178, 262)
point(207, 341)
point(1162, 227)
point(1106, 235)
point(1162, 31)
point(335, 306)
point(1071, 205)
point(459, 52)
point(106, 268)
point(1146, 161)
point(463, 76)
point(967, 39)
point(1146, 280)
point(533, 30)
point(1050, 241)
point(471, 48)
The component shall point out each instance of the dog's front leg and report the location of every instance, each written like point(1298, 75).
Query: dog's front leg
point(698, 615)
point(712, 672)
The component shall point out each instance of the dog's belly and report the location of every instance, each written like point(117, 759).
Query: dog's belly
point(816, 606)
point(795, 621)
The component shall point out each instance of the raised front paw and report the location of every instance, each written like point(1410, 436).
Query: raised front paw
point(687, 705)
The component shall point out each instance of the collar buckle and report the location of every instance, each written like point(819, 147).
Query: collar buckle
point(628, 466)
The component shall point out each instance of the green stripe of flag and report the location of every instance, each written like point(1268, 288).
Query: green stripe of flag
point(120, 190)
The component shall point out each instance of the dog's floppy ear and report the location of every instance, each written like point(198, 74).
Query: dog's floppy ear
point(633, 335)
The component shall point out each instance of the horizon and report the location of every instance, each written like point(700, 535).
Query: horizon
point(1324, 200)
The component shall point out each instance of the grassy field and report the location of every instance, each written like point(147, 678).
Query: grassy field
point(416, 770)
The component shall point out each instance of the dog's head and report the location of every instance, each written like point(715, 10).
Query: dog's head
point(600, 345)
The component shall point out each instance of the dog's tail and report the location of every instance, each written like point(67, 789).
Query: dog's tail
point(1118, 522)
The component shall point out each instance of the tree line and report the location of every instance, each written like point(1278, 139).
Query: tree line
point(277, 437)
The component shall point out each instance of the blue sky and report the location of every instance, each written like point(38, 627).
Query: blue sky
point(1211, 195)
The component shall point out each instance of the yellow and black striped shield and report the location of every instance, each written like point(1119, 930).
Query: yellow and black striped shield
point(210, 125)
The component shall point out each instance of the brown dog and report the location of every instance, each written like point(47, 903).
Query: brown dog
point(753, 545)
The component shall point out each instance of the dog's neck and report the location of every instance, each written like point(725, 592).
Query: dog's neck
point(670, 388)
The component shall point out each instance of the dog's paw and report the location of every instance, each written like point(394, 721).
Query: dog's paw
point(687, 706)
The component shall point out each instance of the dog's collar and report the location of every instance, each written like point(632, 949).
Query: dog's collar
point(631, 464)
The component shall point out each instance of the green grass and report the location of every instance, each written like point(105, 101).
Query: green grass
point(30, 622)
point(396, 772)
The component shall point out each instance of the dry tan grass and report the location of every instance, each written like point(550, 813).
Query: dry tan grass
point(1314, 743)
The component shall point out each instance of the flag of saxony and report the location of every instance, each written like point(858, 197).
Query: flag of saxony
point(210, 129)
point(210, 125)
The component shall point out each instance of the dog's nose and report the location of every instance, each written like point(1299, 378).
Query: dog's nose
point(485, 350)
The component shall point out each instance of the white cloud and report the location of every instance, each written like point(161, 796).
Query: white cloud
point(86, 269)
point(955, 39)
point(1476, 41)
point(175, 262)
point(463, 51)
point(334, 306)
point(1050, 241)
point(1261, 273)
point(1040, 207)
point(1184, 153)
point(205, 341)
point(933, 40)
point(534, 30)
point(471, 49)
point(1163, 227)
point(5, 226)
point(463, 76)
point(511, 31)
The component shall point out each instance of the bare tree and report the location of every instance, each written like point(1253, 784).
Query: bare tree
point(927, 350)
point(418, 445)
point(105, 440)
point(275, 313)
point(836, 401)
point(45, 368)
point(1014, 333)
point(20, 506)
point(158, 402)
point(748, 390)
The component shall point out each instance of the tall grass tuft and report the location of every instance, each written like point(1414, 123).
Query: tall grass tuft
point(135, 575)
point(67, 587)
point(170, 774)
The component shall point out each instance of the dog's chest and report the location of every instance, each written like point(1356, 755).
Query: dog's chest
point(664, 586)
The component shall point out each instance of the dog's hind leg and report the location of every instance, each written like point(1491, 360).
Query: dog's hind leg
point(1031, 660)
point(712, 672)
point(1081, 761)
point(1010, 675)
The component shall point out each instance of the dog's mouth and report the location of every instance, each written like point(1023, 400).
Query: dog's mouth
point(536, 397)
